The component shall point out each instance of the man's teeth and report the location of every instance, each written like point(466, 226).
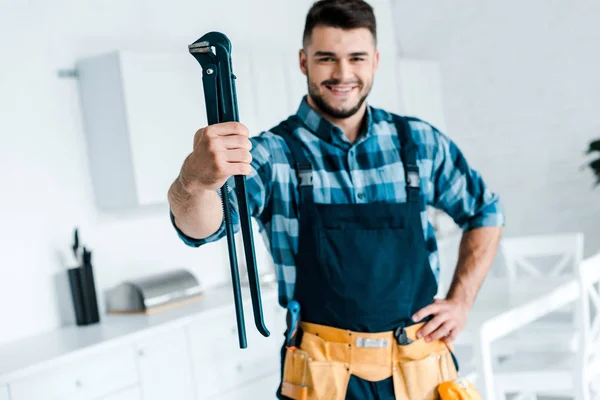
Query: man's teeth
point(345, 89)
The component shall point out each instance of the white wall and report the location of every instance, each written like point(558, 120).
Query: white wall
point(521, 90)
point(45, 189)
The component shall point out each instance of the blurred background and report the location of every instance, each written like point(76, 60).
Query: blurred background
point(99, 103)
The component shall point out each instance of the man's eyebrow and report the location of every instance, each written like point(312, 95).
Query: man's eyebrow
point(332, 54)
point(359, 54)
point(324, 54)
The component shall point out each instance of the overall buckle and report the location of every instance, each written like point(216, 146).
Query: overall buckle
point(305, 178)
point(412, 176)
point(305, 174)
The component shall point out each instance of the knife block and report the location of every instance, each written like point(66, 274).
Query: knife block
point(83, 294)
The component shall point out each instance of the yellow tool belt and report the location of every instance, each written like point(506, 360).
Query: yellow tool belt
point(321, 367)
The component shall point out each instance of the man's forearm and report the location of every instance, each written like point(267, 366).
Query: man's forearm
point(198, 215)
point(477, 251)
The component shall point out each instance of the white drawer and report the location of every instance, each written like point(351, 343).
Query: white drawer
point(219, 363)
point(91, 377)
point(263, 388)
point(127, 394)
point(4, 393)
point(213, 349)
point(164, 366)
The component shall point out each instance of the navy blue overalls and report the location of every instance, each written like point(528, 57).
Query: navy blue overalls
point(361, 267)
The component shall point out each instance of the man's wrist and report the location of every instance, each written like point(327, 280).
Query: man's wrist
point(460, 296)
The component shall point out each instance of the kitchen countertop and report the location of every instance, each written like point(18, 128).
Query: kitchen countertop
point(26, 356)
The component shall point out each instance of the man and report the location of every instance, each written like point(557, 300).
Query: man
point(340, 191)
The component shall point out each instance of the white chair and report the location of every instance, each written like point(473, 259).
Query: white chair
point(551, 259)
point(571, 374)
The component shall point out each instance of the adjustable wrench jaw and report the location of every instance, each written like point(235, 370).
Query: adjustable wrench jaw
point(213, 53)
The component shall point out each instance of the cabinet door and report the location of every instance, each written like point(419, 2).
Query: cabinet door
point(88, 377)
point(219, 364)
point(213, 342)
point(128, 394)
point(164, 105)
point(263, 388)
point(164, 367)
point(4, 393)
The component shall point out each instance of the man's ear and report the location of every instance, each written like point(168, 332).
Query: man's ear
point(376, 61)
point(303, 61)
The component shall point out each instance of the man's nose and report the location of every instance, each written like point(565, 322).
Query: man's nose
point(343, 71)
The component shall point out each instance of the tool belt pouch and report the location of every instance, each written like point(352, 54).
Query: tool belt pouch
point(422, 377)
point(458, 389)
point(295, 373)
point(426, 371)
point(307, 379)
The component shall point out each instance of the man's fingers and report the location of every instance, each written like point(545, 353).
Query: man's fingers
point(226, 128)
point(431, 326)
point(239, 168)
point(427, 310)
point(238, 156)
point(443, 330)
point(233, 142)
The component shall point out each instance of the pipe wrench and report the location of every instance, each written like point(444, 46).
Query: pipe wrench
point(213, 52)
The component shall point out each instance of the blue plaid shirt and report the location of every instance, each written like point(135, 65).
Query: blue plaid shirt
point(368, 170)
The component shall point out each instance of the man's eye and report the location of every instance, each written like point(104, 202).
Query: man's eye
point(357, 59)
point(326, 59)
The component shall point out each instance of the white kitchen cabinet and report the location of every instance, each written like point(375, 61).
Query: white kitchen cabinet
point(132, 393)
point(214, 351)
point(186, 353)
point(164, 367)
point(89, 378)
point(219, 364)
point(262, 388)
point(4, 392)
point(140, 112)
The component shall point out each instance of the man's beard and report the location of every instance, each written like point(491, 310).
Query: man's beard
point(313, 92)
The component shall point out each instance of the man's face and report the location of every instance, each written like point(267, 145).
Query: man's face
point(339, 66)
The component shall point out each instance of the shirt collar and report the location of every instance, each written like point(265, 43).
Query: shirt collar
point(326, 130)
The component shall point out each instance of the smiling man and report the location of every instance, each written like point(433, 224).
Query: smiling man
point(340, 190)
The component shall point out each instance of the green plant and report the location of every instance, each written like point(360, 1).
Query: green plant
point(595, 164)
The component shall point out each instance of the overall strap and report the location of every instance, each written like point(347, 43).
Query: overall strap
point(408, 154)
point(300, 163)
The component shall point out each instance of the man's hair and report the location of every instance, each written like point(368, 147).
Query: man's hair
point(344, 14)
